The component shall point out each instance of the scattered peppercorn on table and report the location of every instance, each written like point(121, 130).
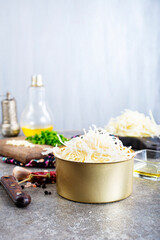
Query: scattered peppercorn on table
point(50, 216)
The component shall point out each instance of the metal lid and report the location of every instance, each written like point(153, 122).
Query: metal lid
point(37, 81)
point(7, 98)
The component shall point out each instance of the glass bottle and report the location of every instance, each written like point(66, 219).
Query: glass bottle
point(36, 117)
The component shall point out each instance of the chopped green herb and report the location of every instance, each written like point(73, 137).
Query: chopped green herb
point(47, 137)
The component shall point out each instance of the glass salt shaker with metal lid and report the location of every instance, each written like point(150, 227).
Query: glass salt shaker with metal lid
point(36, 116)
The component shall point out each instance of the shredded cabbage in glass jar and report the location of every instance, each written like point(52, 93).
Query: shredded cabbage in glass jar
point(94, 146)
point(133, 124)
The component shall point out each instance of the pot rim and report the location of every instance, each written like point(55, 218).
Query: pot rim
point(96, 163)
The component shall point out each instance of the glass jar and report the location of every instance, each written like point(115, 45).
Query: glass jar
point(36, 116)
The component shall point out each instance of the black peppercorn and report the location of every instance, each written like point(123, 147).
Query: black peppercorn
point(38, 184)
point(44, 185)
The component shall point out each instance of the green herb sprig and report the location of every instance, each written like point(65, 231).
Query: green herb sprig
point(48, 138)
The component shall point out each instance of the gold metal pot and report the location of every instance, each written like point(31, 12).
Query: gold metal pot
point(94, 182)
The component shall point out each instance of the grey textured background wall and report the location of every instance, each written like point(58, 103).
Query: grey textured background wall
point(97, 57)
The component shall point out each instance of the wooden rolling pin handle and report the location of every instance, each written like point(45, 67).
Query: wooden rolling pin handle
point(20, 198)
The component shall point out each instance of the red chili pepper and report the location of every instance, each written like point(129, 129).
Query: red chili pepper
point(39, 177)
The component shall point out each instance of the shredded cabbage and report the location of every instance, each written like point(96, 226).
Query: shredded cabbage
point(20, 143)
point(96, 146)
point(133, 124)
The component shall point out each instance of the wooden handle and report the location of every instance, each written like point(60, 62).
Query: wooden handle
point(20, 198)
point(141, 143)
point(151, 143)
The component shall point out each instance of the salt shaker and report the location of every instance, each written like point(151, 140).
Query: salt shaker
point(10, 126)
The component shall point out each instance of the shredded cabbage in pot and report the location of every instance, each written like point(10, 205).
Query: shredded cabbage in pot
point(133, 124)
point(96, 146)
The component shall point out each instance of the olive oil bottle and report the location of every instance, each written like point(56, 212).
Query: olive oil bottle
point(36, 116)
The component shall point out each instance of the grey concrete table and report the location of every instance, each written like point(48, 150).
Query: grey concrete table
point(52, 217)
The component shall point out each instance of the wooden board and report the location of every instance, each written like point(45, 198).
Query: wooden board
point(21, 153)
